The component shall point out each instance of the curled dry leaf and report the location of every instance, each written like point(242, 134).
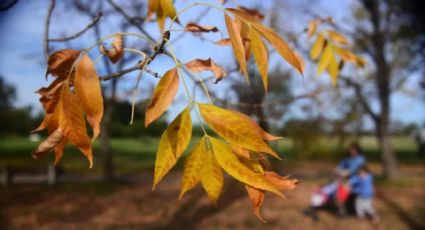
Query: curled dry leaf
point(48, 145)
point(255, 14)
point(199, 65)
point(87, 89)
point(236, 128)
point(117, 50)
point(61, 61)
point(174, 141)
point(163, 95)
point(256, 196)
point(195, 28)
point(279, 182)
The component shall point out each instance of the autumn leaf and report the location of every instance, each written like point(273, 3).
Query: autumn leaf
point(279, 182)
point(252, 12)
point(117, 50)
point(48, 145)
point(324, 60)
point(195, 28)
point(333, 69)
point(318, 47)
point(162, 9)
point(72, 123)
point(241, 151)
point(237, 45)
point(163, 95)
point(61, 61)
point(312, 27)
point(236, 128)
point(231, 164)
point(87, 89)
point(259, 51)
point(278, 43)
point(211, 174)
point(199, 65)
point(256, 196)
point(174, 141)
point(337, 37)
point(192, 167)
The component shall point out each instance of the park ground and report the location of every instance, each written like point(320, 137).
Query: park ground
point(129, 203)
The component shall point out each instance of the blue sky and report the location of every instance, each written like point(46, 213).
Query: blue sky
point(22, 63)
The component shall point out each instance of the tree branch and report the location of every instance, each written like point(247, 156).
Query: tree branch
point(363, 101)
point(81, 32)
point(47, 27)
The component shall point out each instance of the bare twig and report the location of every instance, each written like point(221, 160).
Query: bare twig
point(47, 27)
point(81, 32)
point(363, 101)
point(7, 5)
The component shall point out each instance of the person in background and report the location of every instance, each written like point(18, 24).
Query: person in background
point(361, 184)
point(350, 165)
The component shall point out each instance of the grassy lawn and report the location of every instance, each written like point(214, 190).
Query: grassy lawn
point(131, 155)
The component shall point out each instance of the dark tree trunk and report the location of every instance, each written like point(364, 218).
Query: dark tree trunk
point(383, 87)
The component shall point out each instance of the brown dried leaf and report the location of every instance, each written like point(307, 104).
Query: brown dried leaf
point(117, 50)
point(255, 14)
point(48, 145)
point(195, 28)
point(199, 65)
point(61, 61)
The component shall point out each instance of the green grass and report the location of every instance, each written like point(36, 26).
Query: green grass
point(132, 155)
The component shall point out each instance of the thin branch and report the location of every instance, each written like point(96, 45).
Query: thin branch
point(360, 96)
point(81, 32)
point(119, 73)
point(8, 5)
point(47, 27)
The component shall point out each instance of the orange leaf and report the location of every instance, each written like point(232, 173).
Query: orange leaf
point(49, 144)
point(255, 14)
point(72, 123)
point(199, 65)
point(241, 151)
point(337, 37)
point(279, 182)
point(87, 89)
point(195, 28)
point(237, 44)
point(163, 95)
point(236, 128)
point(61, 61)
point(256, 196)
point(312, 27)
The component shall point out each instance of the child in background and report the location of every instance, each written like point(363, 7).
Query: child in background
point(361, 184)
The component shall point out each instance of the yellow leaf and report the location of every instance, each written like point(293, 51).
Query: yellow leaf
point(163, 95)
point(163, 9)
point(236, 128)
point(87, 89)
point(318, 46)
point(256, 196)
point(72, 123)
point(237, 44)
point(259, 51)
point(324, 60)
point(192, 167)
point(231, 164)
point(211, 174)
point(337, 37)
point(173, 142)
point(333, 69)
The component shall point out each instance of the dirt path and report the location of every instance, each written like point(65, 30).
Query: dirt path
point(134, 206)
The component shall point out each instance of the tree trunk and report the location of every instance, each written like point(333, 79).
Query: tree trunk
point(382, 82)
point(105, 147)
